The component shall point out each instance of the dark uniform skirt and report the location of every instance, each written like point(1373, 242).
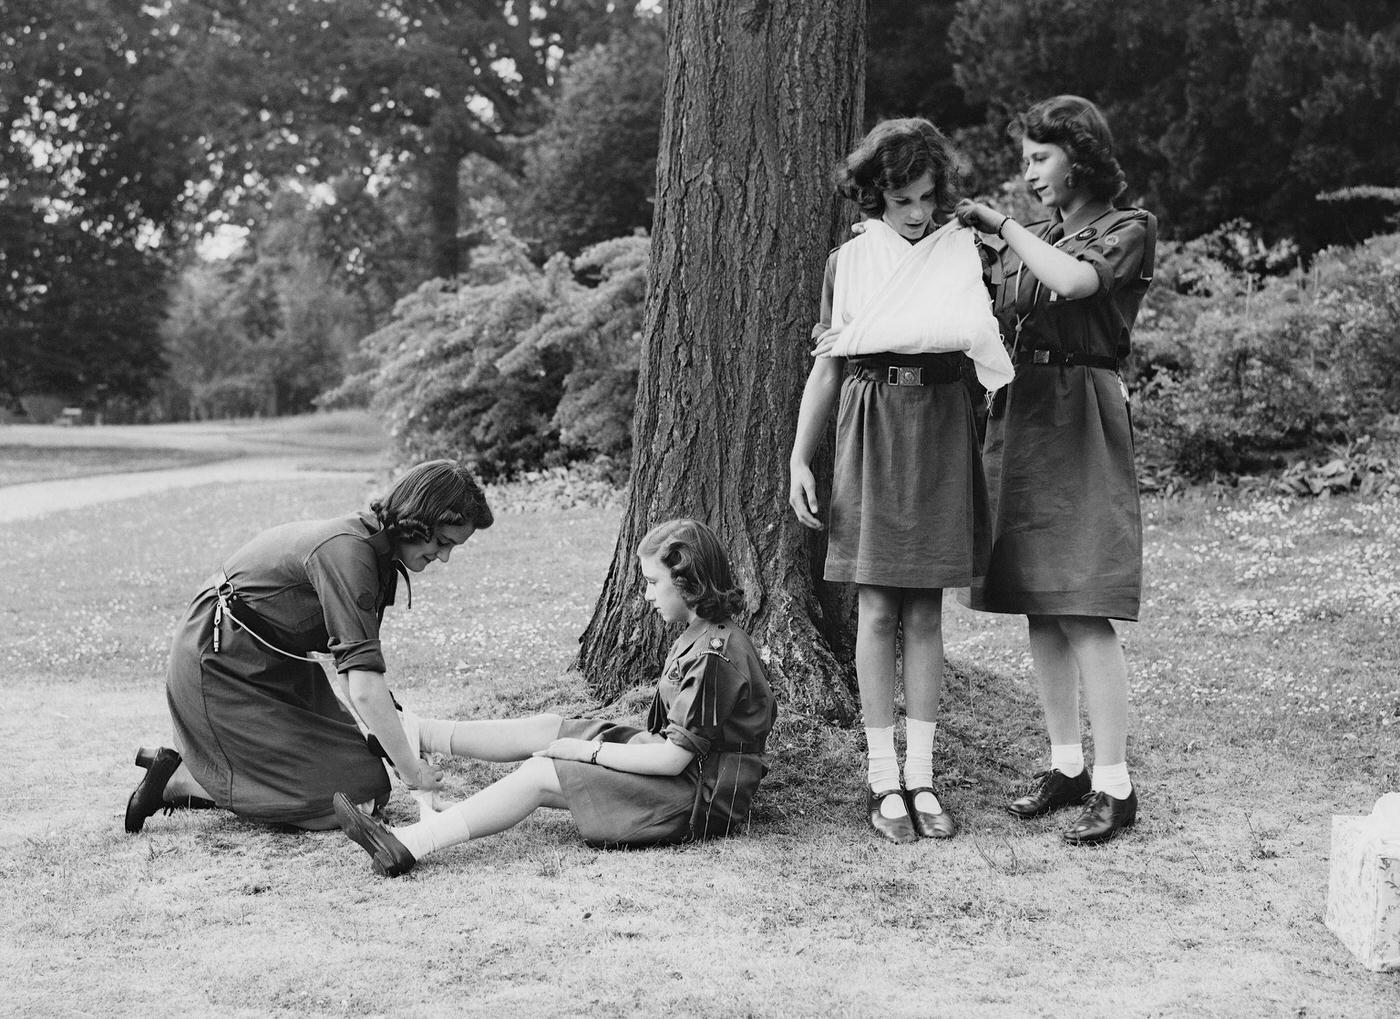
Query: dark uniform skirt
point(1068, 524)
point(263, 734)
point(618, 808)
point(908, 501)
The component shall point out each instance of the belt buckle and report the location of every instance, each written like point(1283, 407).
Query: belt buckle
point(1040, 357)
point(899, 376)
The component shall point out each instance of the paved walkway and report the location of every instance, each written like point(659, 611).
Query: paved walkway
point(21, 502)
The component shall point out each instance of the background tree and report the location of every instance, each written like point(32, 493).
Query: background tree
point(92, 160)
point(591, 169)
point(761, 99)
point(412, 86)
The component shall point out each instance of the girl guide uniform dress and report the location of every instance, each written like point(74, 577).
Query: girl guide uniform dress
point(263, 732)
point(1059, 449)
point(909, 502)
point(713, 699)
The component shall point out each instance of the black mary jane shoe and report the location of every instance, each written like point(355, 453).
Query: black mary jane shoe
point(899, 830)
point(1104, 817)
point(930, 826)
point(149, 795)
point(1050, 790)
point(390, 856)
point(145, 756)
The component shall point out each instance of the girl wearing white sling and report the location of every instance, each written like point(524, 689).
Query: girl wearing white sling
point(903, 308)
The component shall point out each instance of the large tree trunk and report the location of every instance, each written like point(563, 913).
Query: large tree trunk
point(762, 99)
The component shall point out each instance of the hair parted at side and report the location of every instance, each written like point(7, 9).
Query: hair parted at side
point(894, 155)
point(429, 495)
point(699, 567)
point(1079, 127)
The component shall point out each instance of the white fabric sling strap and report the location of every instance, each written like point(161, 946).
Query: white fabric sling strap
point(894, 297)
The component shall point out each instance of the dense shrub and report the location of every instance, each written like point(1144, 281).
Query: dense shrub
point(1236, 371)
point(513, 367)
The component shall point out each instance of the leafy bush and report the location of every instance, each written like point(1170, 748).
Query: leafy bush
point(513, 367)
point(1235, 369)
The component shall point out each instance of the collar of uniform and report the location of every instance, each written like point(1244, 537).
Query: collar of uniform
point(390, 569)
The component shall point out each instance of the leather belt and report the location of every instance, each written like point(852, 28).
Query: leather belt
point(1068, 358)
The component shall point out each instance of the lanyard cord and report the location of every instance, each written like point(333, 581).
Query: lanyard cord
point(1035, 294)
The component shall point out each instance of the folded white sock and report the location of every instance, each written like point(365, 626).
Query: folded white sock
point(1112, 779)
point(882, 768)
point(1067, 758)
point(434, 832)
point(918, 762)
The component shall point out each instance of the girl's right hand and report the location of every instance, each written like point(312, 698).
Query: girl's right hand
point(802, 496)
point(978, 216)
point(426, 778)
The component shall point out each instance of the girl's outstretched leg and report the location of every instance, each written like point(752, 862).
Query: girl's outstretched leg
point(499, 806)
point(506, 739)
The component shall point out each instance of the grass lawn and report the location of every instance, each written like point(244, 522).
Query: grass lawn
point(1265, 700)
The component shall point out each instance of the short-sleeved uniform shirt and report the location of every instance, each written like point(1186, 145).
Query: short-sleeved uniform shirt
point(1067, 534)
point(712, 699)
point(262, 731)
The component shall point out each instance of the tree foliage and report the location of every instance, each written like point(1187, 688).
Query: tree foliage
point(1221, 110)
point(267, 331)
point(513, 366)
point(92, 171)
point(316, 87)
point(590, 171)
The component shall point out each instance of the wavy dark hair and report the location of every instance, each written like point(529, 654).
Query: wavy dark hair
point(1079, 127)
point(428, 496)
point(699, 567)
point(895, 154)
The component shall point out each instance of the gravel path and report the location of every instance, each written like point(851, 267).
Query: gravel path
point(20, 502)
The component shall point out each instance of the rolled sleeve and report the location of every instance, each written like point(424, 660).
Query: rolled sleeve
point(708, 692)
point(1117, 255)
point(344, 572)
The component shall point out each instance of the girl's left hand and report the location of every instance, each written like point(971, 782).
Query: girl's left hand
point(568, 750)
point(826, 341)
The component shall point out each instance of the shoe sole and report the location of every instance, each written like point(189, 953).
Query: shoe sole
point(352, 823)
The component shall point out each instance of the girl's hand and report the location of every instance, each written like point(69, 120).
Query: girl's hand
point(802, 496)
point(978, 216)
point(426, 778)
point(826, 341)
point(568, 749)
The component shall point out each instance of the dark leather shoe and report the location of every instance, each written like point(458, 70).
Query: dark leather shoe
point(149, 794)
point(391, 858)
point(896, 829)
point(930, 826)
point(1103, 818)
point(1051, 790)
point(145, 757)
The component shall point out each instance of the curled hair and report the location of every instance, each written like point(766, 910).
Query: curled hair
point(431, 495)
point(699, 567)
point(894, 155)
point(1079, 127)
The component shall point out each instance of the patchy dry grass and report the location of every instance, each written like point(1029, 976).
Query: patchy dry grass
point(1265, 699)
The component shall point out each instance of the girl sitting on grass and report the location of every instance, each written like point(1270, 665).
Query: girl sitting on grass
point(690, 774)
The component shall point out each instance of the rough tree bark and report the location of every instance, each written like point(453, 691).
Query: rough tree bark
point(762, 98)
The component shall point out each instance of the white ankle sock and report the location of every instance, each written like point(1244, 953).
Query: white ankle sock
point(918, 762)
point(434, 832)
point(1067, 758)
point(1112, 779)
point(882, 768)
